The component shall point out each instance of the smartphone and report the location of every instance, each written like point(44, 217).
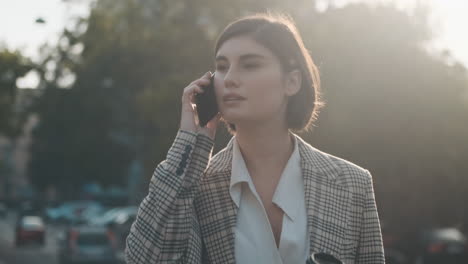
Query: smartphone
point(207, 107)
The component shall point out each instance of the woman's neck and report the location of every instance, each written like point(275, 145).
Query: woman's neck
point(265, 147)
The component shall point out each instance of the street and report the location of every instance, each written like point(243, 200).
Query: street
point(28, 254)
point(9, 254)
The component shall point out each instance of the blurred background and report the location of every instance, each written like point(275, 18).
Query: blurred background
point(90, 104)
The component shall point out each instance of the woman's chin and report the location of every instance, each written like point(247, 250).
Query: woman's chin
point(231, 119)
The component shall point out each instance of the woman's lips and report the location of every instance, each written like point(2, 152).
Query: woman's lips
point(232, 97)
point(233, 101)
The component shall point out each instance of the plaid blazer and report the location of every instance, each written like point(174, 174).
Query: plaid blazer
point(188, 215)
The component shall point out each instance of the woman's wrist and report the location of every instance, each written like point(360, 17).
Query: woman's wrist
point(188, 126)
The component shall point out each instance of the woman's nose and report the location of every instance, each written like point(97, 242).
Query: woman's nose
point(230, 79)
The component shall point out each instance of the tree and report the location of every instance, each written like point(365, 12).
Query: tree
point(391, 106)
point(13, 65)
point(395, 109)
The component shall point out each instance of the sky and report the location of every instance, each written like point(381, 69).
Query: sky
point(18, 29)
point(448, 20)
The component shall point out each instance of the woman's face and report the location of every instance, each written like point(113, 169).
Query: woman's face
point(245, 68)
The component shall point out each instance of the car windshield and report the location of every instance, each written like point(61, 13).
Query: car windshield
point(108, 216)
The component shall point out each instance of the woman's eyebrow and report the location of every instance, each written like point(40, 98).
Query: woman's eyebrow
point(252, 56)
point(242, 57)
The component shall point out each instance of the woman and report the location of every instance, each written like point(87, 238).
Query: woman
point(268, 196)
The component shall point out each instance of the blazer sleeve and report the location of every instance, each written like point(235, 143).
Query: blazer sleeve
point(370, 246)
point(166, 228)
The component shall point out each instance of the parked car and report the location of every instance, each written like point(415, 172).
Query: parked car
point(118, 220)
point(72, 212)
point(122, 224)
point(114, 216)
point(446, 245)
point(106, 218)
point(85, 244)
point(30, 229)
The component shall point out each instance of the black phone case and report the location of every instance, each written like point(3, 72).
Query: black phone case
point(207, 108)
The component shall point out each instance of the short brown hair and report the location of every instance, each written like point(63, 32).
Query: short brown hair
point(278, 33)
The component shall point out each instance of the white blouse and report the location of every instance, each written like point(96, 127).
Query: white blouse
point(254, 239)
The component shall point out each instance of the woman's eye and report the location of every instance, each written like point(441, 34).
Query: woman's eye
point(251, 65)
point(221, 67)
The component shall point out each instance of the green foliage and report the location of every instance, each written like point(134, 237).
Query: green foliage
point(12, 66)
point(394, 109)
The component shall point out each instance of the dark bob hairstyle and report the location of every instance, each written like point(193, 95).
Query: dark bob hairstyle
point(279, 34)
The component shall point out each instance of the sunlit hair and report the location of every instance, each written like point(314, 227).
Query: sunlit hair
point(279, 34)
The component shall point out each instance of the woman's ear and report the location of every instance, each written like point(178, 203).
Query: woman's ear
point(293, 82)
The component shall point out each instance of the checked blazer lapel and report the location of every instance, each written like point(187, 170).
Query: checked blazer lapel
point(327, 203)
point(216, 211)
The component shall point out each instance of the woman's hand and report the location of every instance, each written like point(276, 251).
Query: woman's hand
point(189, 120)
